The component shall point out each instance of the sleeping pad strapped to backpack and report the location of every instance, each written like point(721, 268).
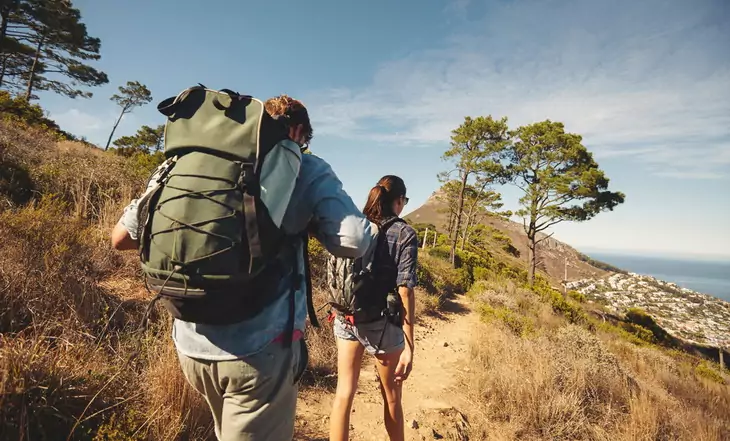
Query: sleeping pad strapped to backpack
point(211, 241)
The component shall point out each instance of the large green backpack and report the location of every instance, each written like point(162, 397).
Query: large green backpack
point(211, 241)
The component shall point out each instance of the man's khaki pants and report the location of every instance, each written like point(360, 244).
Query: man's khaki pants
point(252, 399)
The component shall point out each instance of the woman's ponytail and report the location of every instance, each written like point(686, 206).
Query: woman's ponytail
point(374, 207)
point(379, 205)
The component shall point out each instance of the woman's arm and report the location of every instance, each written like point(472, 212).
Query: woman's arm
point(406, 280)
point(408, 297)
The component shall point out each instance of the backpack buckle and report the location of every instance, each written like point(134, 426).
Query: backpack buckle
point(247, 176)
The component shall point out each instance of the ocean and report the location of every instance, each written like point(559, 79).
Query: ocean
point(707, 277)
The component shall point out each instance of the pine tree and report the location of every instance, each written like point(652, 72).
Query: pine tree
point(59, 44)
point(475, 150)
point(560, 179)
point(134, 94)
point(147, 140)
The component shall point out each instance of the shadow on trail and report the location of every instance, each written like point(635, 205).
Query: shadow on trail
point(448, 307)
point(321, 378)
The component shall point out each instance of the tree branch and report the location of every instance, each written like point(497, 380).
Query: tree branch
point(547, 225)
point(537, 242)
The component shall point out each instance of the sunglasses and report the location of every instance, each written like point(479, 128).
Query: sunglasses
point(405, 200)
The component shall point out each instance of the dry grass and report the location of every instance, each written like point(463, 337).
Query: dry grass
point(69, 306)
point(562, 381)
point(322, 370)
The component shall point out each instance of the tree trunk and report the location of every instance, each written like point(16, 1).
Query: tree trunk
point(467, 225)
point(5, 13)
point(108, 141)
point(532, 247)
point(3, 68)
point(470, 218)
point(9, 7)
point(532, 266)
point(31, 75)
point(450, 229)
point(460, 208)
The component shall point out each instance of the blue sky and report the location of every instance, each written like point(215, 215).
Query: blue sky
point(647, 85)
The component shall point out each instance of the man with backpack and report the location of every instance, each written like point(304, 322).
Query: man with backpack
point(222, 233)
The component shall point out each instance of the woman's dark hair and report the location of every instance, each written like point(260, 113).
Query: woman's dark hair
point(381, 197)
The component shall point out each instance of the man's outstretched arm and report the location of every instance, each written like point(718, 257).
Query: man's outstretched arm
point(124, 232)
point(336, 222)
point(121, 240)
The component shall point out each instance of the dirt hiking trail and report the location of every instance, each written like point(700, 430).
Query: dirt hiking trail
point(431, 403)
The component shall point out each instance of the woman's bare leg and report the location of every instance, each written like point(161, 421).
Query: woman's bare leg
point(392, 395)
point(349, 361)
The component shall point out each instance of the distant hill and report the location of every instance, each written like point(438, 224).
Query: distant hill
point(552, 252)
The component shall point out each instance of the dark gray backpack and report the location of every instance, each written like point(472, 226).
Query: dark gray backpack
point(359, 288)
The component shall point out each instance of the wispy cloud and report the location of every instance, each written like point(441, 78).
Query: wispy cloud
point(647, 79)
point(458, 8)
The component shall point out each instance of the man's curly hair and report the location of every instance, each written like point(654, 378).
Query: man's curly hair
point(291, 109)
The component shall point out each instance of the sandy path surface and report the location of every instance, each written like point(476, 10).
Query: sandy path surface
point(430, 397)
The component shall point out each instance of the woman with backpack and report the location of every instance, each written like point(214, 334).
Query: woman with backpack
point(388, 335)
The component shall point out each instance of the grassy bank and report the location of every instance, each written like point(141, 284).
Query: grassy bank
point(71, 364)
point(546, 370)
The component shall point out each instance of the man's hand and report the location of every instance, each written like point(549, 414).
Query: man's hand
point(405, 364)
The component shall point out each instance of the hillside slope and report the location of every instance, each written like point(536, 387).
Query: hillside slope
point(553, 254)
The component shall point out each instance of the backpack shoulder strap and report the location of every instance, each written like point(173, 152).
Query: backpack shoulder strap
point(383, 227)
point(387, 223)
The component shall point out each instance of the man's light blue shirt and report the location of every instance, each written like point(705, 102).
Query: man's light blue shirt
point(318, 204)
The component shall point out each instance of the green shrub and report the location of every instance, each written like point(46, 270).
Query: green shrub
point(480, 273)
point(600, 265)
point(505, 243)
point(620, 332)
point(520, 325)
point(16, 184)
point(639, 317)
point(441, 252)
point(577, 296)
point(437, 276)
point(317, 261)
point(517, 274)
point(708, 372)
point(574, 313)
point(478, 287)
point(639, 331)
point(473, 260)
point(430, 303)
point(145, 162)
